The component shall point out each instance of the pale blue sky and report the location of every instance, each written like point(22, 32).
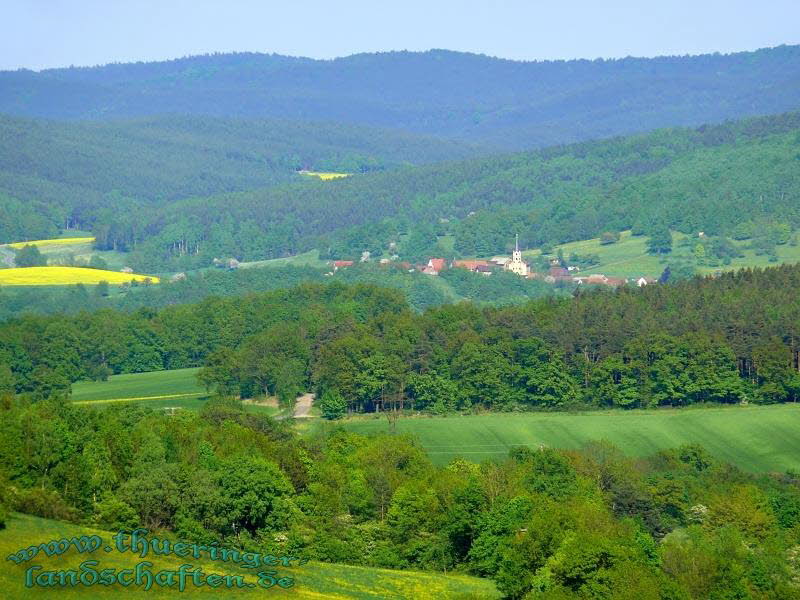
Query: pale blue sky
point(46, 33)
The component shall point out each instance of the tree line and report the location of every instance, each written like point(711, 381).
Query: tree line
point(421, 291)
point(728, 339)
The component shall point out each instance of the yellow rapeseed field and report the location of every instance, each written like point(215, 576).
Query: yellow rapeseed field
point(66, 276)
point(325, 176)
point(53, 242)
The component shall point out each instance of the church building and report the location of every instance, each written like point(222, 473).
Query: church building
point(516, 264)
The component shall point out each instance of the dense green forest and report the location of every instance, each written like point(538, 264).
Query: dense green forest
point(516, 105)
point(729, 339)
point(91, 173)
point(679, 525)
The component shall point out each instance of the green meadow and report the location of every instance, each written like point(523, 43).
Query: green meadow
point(306, 259)
point(755, 438)
point(312, 581)
point(629, 258)
point(156, 385)
point(177, 389)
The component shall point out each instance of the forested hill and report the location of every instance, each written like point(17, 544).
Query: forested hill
point(728, 339)
point(712, 179)
point(510, 103)
point(67, 171)
point(181, 191)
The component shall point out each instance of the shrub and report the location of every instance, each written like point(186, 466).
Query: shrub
point(333, 405)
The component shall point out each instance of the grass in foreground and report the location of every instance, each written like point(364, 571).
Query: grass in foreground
point(67, 276)
point(312, 580)
point(755, 438)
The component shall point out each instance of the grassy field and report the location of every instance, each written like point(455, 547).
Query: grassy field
point(756, 438)
point(72, 244)
point(177, 388)
point(178, 383)
point(67, 276)
point(306, 259)
point(313, 581)
point(629, 258)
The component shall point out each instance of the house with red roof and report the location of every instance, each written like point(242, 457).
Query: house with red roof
point(434, 266)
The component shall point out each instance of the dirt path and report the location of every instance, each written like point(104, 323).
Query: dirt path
point(302, 407)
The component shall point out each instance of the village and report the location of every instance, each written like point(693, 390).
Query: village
point(557, 273)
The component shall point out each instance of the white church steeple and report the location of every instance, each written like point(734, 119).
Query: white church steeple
point(517, 265)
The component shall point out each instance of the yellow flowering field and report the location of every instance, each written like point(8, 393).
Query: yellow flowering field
point(66, 276)
point(325, 176)
point(53, 242)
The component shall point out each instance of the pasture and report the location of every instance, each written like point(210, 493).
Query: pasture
point(67, 276)
point(755, 438)
point(155, 385)
point(629, 258)
point(72, 245)
point(312, 581)
point(306, 259)
point(177, 388)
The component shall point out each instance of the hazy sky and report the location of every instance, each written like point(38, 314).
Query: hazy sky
point(46, 33)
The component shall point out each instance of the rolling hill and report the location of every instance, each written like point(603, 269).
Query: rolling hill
point(764, 438)
point(713, 179)
point(55, 174)
point(502, 102)
point(710, 179)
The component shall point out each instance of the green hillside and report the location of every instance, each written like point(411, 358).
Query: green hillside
point(313, 581)
point(86, 174)
point(736, 180)
point(629, 256)
point(514, 104)
point(713, 179)
point(754, 438)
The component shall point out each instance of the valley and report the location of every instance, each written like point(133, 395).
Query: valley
point(403, 324)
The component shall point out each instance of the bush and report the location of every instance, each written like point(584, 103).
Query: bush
point(29, 256)
point(114, 514)
point(47, 504)
point(333, 405)
point(609, 237)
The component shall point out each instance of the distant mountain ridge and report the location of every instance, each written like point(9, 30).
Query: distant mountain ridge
point(465, 96)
